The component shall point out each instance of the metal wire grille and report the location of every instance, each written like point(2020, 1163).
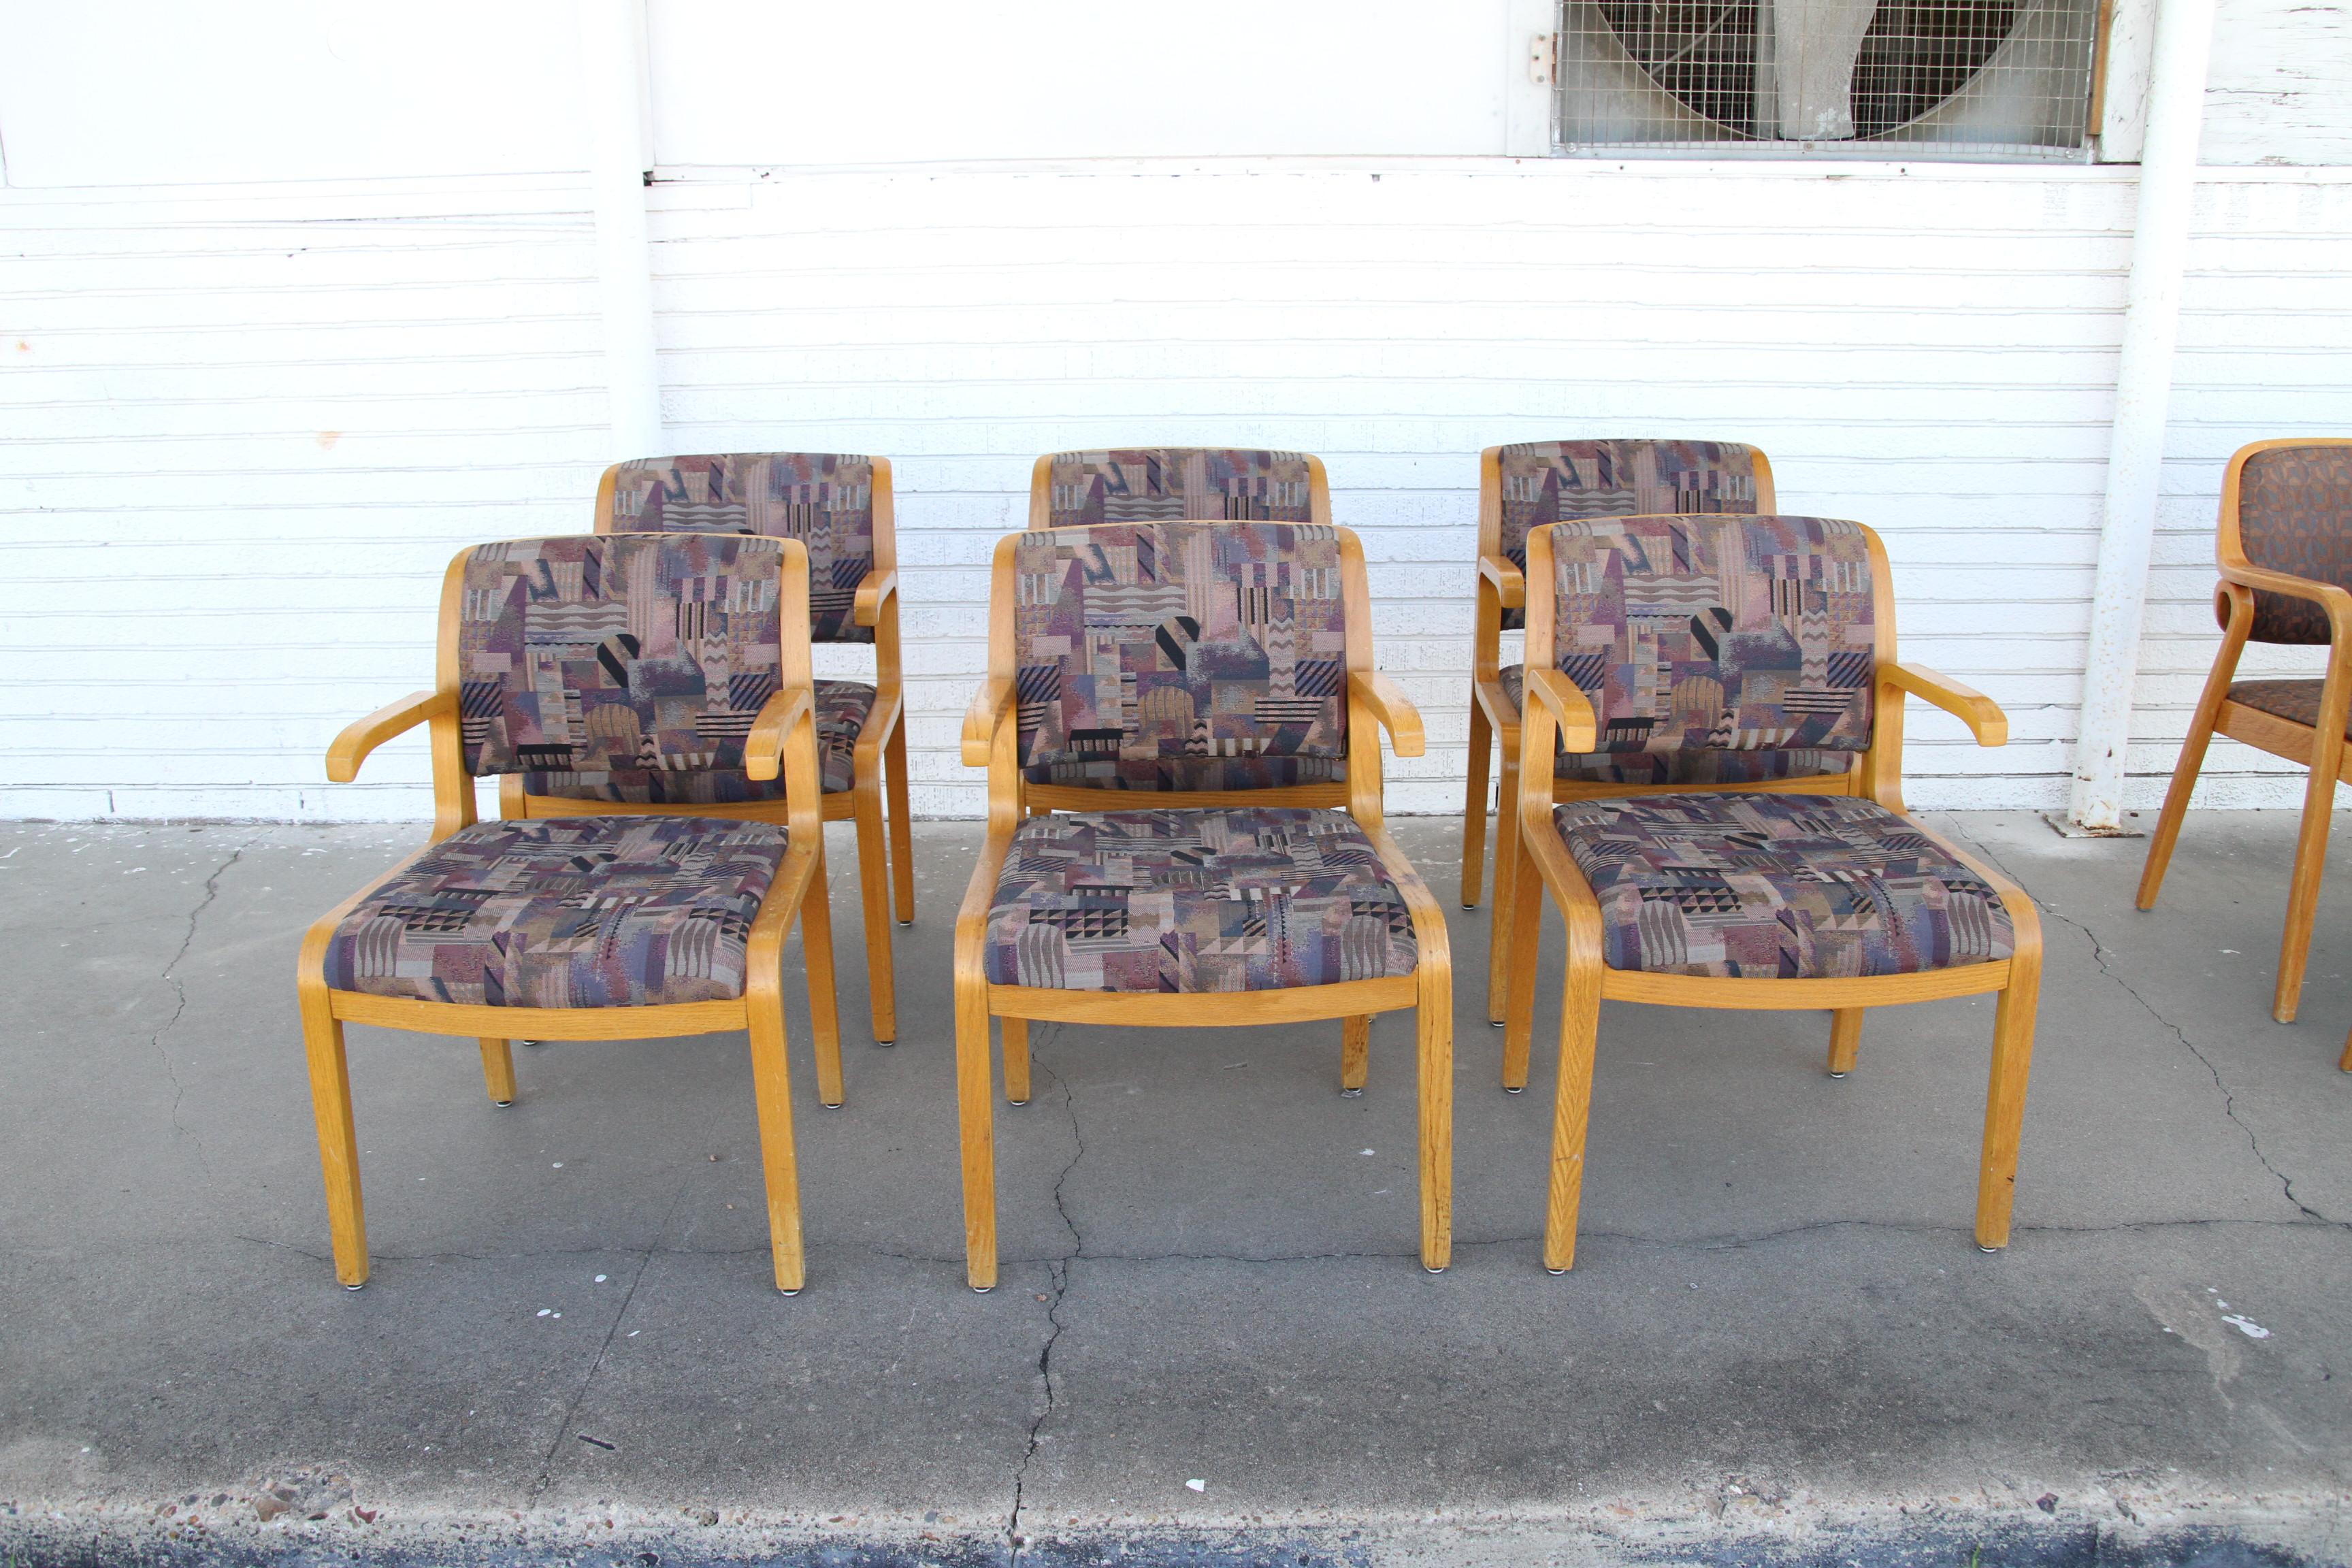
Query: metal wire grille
point(1853, 78)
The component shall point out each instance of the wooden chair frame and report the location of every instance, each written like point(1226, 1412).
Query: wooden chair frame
point(2320, 750)
point(991, 739)
point(878, 764)
point(782, 738)
point(1557, 708)
point(1501, 587)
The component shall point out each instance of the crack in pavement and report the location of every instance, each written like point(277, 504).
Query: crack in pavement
point(1058, 1272)
point(179, 1002)
point(2229, 1098)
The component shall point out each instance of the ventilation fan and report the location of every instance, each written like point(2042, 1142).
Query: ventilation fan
point(1991, 76)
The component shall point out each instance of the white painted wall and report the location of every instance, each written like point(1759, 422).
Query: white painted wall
point(244, 425)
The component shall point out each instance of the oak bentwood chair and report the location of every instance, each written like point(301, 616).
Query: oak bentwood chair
point(1523, 487)
point(1220, 666)
point(1649, 636)
point(674, 654)
point(840, 508)
point(2285, 548)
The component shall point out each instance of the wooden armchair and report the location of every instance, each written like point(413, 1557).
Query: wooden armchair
point(676, 654)
point(1655, 634)
point(2285, 548)
point(1222, 669)
point(840, 508)
point(1523, 487)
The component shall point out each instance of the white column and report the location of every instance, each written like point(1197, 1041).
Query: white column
point(616, 92)
point(2167, 188)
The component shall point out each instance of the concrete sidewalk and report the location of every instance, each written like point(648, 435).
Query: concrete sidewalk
point(1212, 1343)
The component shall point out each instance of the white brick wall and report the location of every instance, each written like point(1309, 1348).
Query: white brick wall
point(243, 427)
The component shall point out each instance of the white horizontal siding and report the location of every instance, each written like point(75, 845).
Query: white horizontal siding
point(242, 429)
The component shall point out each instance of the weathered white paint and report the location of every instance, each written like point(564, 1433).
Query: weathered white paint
point(619, 109)
point(2167, 188)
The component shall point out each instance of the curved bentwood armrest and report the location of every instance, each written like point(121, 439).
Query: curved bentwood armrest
point(2336, 601)
point(1387, 702)
point(980, 722)
point(1580, 727)
point(350, 748)
point(763, 748)
point(1510, 582)
point(871, 592)
point(1980, 713)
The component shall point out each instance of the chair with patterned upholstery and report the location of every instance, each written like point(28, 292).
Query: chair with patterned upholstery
point(673, 654)
point(1652, 636)
point(1219, 667)
point(840, 508)
point(2285, 548)
point(1523, 487)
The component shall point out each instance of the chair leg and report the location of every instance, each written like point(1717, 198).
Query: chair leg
point(1474, 806)
point(1016, 1060)
point(1433, 1042)
point(824, 1012)
point(1506, 854)
point(2012, 1057)
point(874, 898)
point(1845, 1039)
point(498, 1071)
point(975, 1116)
point(2176, 806)
point(1526, 936)
point(1580, 1032)
point(2303, 891)
point(902, 836)
point(1355, 1053)
point(339, 1152)
point(2344, 1062)
point(771, 1092)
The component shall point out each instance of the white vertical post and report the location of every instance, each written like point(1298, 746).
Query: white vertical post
point(2168, 189)
point(616, 92)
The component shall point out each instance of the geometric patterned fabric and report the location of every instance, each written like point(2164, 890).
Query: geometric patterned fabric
point(2294, 515)
point(2296, 701)
point(569, 911)
point(1258, 899)
point(1154, 484)
point(1180, 655)
point(1778, 886)
point(825, 499)
point(842, 708)
point(1680, 767)
point(616, 653)
point(1717, 632)
point(1558, 481)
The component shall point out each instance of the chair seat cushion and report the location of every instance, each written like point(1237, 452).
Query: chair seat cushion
point(842, 708)
point(1712, 765)
point(567, 912)
point(2296, 701)
point(1261, 898)
point(1778, 886)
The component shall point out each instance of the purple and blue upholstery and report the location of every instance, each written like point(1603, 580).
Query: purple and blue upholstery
point(2294, 515)
point(1180, 655)
point(568, 911)
point(1778, 886)
point(1680, 767)
point(825, 499)
point(1159, 484)
point(1261, 899)
point(841, 707)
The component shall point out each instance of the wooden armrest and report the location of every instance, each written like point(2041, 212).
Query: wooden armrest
point(763, 748)
point(350, 748)
point(988, 708)
point(1510, 582)
point(1580, 727)
point(1980, 713)
point(1393, 707)
point(878, 586)
point(2336, 602)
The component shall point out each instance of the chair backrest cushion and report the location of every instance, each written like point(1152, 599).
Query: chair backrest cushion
point(1557, 481)
point(825, 499)
point(606, 653)
point(1180, 655)
point(2294, 515)
point(1156, 484)
point(1723, 633)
